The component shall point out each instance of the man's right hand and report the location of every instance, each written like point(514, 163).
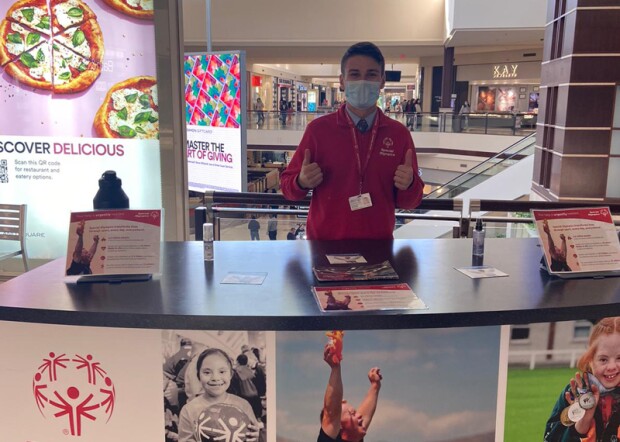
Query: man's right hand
point(80, 228)
point(310, 175)
point(328, 356)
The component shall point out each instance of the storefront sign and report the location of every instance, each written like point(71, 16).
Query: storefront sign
point(257, 81)
point(505, 70)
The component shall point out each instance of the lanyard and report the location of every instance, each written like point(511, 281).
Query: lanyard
point(356, 148)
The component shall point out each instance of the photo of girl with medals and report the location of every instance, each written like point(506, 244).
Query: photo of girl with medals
point(588, 408)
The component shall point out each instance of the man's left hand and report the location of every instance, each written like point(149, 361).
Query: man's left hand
point(404, 172)
point(375, 376)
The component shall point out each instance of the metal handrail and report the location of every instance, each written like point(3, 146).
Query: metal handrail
point(218, 205)
point(216, 202)
point(424, 121)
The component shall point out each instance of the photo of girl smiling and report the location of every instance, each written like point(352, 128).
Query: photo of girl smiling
point(217, 414)
point(588, 408)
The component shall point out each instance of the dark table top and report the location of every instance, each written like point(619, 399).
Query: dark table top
point(189, 294)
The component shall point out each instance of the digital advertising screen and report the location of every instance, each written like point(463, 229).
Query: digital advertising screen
point(312, 100)
point(78, 96)
point(214, 112)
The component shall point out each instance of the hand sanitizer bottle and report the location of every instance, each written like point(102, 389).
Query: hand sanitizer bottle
point(207, 238)
point(478, 249)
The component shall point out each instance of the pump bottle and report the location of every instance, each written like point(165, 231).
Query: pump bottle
point(110, 194)
point(478, 235)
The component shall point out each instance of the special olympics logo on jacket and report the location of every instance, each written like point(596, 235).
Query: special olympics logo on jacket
point(74, 388)
point(387, 149)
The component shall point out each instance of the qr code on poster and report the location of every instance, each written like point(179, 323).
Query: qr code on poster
point(4, 172)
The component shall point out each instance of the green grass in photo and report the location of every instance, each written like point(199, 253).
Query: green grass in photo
point(530, 397)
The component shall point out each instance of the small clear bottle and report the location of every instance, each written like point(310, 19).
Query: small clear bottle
point(478, 235)
point(207, 238)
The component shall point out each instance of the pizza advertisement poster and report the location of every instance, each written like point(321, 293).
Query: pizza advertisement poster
point(214, 117)
point(78, 96)
point(114, 242)
point(579, 241)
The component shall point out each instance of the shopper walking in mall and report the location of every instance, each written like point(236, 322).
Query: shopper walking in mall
point(272, 227)
point(360, 164)
point(283, 113)
point(409, 108)
point(260, 111)
point(254, 227)
point(464, 115)
point(417, 111)
point(289, 112)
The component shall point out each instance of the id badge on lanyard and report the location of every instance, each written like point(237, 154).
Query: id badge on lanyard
point(362, 200)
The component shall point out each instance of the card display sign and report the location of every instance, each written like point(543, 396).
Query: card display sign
point(114, 242)
point(579, 242)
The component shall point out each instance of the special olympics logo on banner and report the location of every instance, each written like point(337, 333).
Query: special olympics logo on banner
point(73, 388)
point(222, 422)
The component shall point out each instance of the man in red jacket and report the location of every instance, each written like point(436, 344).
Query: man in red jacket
point(359, 163)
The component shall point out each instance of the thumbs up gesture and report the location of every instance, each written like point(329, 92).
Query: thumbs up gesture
point(310, 175)
point(404, 172)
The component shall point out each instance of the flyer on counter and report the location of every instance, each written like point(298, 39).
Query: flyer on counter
point(355, 272)
point(251, 278)
point(476, 272)
point(345, 258)
point(579, 242)
point(367, 297)
point(114, 242)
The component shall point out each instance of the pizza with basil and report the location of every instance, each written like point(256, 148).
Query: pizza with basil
point(16, 39)
point(129, 110)
point(142, 9)
point(54, 45)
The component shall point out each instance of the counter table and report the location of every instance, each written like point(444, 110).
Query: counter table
point(88, 343)
point(189, 294)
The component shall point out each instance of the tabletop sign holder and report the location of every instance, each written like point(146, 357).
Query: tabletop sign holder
point(114, 246)
point(579, 242)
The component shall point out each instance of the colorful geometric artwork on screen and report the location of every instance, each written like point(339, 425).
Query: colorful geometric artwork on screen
point(213, 90)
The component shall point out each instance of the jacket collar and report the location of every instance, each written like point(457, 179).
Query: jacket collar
point(342, 120)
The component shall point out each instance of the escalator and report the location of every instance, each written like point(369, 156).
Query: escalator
point(485, 170)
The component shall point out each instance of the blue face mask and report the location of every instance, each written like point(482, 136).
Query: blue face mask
point(362, 94)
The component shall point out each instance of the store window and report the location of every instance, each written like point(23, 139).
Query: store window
point(520, 333)
point(581, 330)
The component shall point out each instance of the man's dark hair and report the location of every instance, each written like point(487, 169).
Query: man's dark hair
point(366, 49)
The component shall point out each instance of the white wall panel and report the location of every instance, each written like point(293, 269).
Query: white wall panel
point(320, 21)
point(496, 14)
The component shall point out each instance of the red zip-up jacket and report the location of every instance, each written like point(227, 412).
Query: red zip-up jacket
point(331, 144)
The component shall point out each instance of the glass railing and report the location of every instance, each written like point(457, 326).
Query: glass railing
point(478, 123)
point(231, 213)
point(488, 168)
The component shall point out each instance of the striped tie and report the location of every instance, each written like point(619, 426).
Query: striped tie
point(362, 125)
